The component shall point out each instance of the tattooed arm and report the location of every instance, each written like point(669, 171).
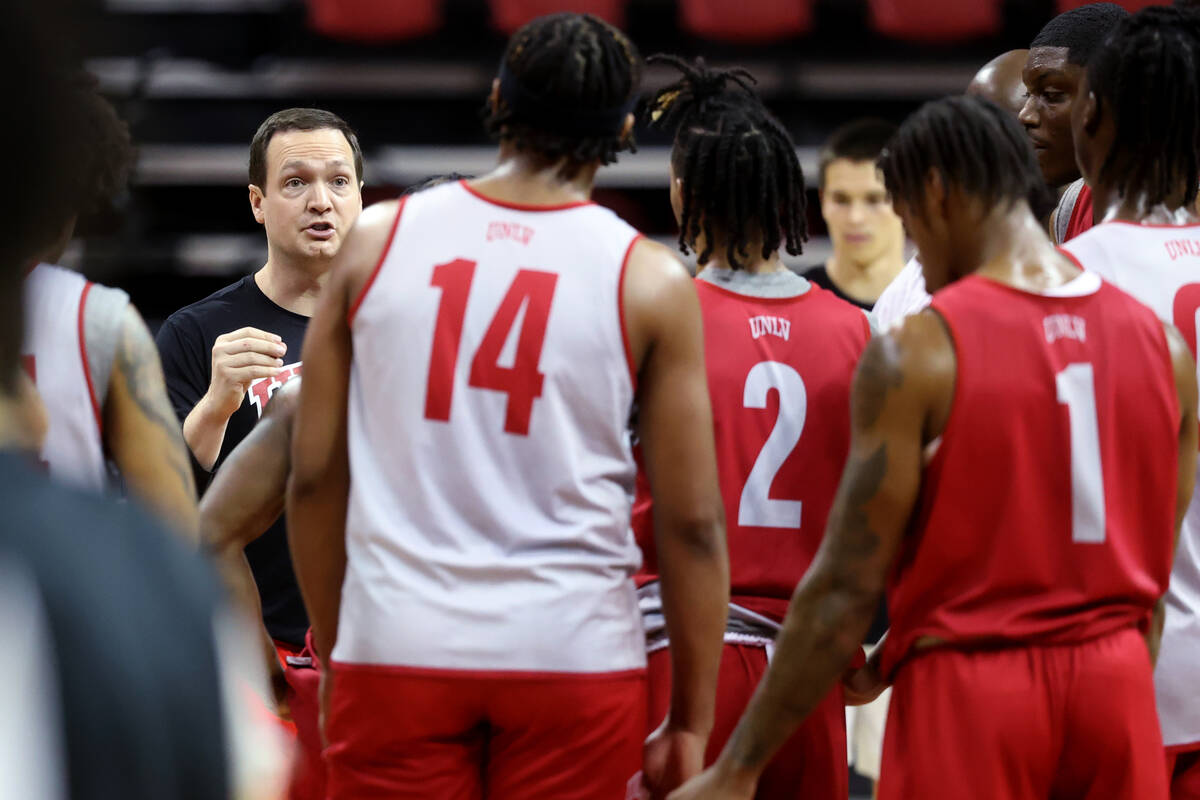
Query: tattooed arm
point(901, 400)
point(142, 433)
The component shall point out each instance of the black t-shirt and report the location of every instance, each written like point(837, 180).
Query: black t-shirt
point(820, 276)
point(185, 342)
point(130, 625)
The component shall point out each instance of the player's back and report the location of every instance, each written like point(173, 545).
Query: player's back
point(1047, 512)
point(490, 394)
point(55, 356)
point(779, 367)
point(1160, 265)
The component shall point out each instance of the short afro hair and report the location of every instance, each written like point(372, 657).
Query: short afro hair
point(1080, 30)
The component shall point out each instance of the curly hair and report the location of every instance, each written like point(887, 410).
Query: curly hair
point(567, 81)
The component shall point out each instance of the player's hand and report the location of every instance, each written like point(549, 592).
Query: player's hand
point(238, 359)
point(714, 784)
point(862, 685)
point(670, 756)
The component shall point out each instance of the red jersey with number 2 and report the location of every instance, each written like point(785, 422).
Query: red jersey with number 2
point(1047, 513)
point(779, 374)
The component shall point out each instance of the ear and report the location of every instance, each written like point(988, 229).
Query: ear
point(937, 198)
point(256, 201)
point(494, 96)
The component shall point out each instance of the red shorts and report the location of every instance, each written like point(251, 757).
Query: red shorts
point(304, 680)
point(401, 732)
point(1073, 721)
point(813, 761)
point(1183, 771)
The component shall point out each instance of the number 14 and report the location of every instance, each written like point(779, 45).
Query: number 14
point(522, 382)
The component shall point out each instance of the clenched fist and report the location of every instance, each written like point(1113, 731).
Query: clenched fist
point(238, 359)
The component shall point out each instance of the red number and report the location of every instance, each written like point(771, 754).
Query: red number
point(531, 290)
point(1185, 312)
point(522, 381)
point(454, 279)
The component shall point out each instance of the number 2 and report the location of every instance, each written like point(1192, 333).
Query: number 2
point(756, 508)
point(1077, 391)
point(532, 290)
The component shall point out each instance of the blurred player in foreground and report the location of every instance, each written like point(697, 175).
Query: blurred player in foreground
point(89, 353)
point(780, 354)
point(475, 361)
point(1137, 136)
point(1051, 416)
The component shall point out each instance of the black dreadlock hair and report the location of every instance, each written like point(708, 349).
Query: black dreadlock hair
point(1147, 75)
point(972, 143)
point(740, 172)
point(1080, 30)
point(573, 63)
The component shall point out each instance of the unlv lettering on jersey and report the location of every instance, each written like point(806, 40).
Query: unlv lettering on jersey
point(775, 326)
point(1182, 247)
point(1064, 326)
point(262, 389)
point(509, 230)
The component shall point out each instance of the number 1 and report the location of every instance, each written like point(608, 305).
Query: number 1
point(1077, 391)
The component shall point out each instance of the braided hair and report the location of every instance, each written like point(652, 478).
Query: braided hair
point(741, 177)
point(972, 143)
point(570, 65)
point(1147, 75)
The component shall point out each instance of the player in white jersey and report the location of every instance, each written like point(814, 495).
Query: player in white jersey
point(89, 354)
point(474, 363)
point(1137, 138)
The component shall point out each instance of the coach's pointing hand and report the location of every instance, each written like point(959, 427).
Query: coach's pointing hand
point(238, 359)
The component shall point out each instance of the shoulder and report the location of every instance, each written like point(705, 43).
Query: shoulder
point(652, 269)
point(193, 316)
point(913, 363)
point(361, 255)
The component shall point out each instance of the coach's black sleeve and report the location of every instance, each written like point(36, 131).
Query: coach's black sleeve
point(185, 363)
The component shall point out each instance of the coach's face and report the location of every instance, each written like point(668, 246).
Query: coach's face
point(312, 197)
point(1053, 84)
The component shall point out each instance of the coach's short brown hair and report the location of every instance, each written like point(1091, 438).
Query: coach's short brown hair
point(297, 119)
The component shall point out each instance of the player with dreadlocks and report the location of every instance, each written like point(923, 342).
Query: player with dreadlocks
point(780, 353)
point(1021, 454)
point(1137, 137)
point(475, 361)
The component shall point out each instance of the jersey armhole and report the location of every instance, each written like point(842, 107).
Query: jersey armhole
point(955, 413)
point(621, 311)
point(83, 355)
point(387, 248)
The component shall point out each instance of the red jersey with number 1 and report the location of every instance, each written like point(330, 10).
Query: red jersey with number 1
point(487, 526)
point(779, 374)
point(1047, 514)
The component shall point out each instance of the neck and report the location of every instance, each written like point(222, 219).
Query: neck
point(295, 287)
point(1016, 251)
point(755, 265)
point(865, 279)
point(523, 177)
point(1108, 205)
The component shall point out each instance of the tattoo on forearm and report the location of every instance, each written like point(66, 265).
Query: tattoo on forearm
point(880, 371)
point(857, 539)
point(141, 371)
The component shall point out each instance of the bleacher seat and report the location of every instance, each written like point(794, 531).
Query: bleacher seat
point(374, 20)
point(746, 20)
point(1131, 6)
point(936, 21)
point(508, 15)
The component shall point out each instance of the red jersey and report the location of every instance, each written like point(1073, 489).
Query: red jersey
point(779, 374)
point(1081, 214)
point(1047, 514)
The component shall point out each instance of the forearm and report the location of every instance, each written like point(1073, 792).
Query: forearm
point(820, 636)
point(204, 432)
point(694, 570)
point(316, 534)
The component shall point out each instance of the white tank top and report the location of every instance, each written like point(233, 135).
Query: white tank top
point(1160, 265)
point(55, 356)
point(488, 525)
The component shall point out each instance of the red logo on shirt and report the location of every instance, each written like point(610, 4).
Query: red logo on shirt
point(509, 230)
point(261, 390)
